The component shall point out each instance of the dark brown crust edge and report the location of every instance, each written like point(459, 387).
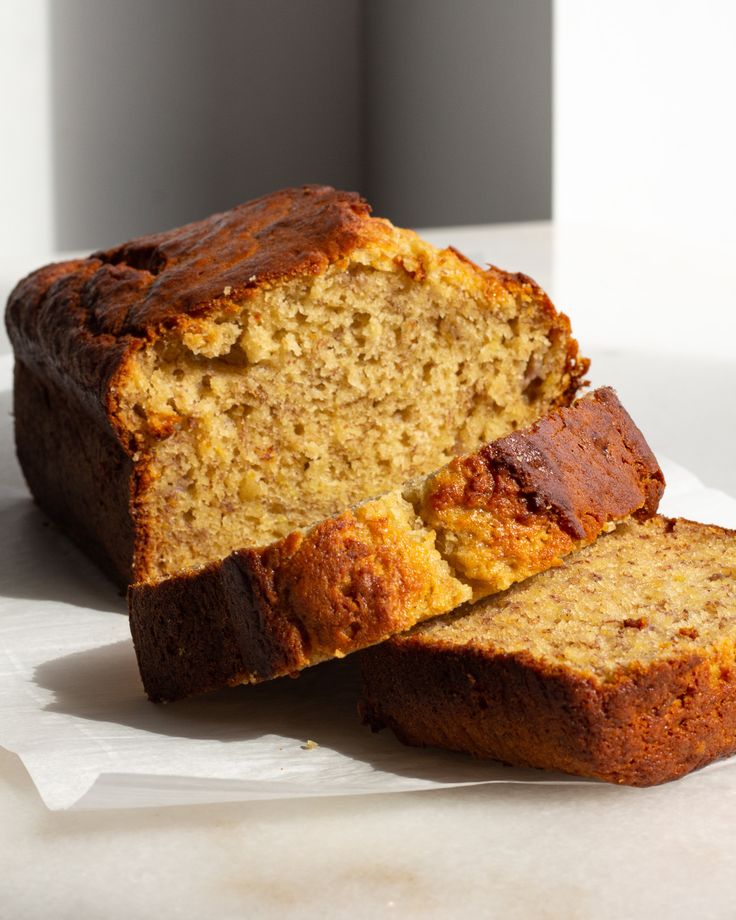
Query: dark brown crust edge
point(77, 472)
point(652, 725)
point(588, 464)
point(241, 621)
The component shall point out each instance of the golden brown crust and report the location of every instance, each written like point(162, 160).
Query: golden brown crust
point(136, 287)
point(357, 579)
point(157, 279)
point(645, 724)
point(542, 492)
point(538, 462)
point(348, 583)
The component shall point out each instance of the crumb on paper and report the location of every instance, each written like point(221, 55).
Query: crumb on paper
point(309, 745)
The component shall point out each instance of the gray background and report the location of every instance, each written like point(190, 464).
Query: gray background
point(166, 110)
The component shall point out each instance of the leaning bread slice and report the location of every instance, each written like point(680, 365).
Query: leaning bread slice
point(620, 665)
point(481, 523)
point(215, 386)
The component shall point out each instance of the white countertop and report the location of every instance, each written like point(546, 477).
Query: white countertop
point(658, 317)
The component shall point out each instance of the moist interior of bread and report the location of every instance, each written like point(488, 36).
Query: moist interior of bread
point(644, 593)
point(283, 409)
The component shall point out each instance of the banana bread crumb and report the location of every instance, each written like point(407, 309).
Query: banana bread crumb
point(620, 665)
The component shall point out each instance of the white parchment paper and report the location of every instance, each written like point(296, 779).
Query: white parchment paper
point(72, 706)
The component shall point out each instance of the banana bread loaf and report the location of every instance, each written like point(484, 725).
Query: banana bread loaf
point(621, 664)
point(224, 383)
point(483, 522)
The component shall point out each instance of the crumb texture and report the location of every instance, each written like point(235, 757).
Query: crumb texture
point(621, 664)
point(634, 595)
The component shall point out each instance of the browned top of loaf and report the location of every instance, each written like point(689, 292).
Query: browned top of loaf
point(540, 462)
point(155, 279)
point(541, 491)
point(79, 319)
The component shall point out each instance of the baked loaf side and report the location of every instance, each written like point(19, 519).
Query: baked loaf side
point(620, 665)
point(378, 569)
point(260, 370)
point(262, 613)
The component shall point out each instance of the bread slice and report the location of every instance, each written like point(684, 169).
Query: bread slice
point(481, 523)
point(619, 665)
point(218, 385)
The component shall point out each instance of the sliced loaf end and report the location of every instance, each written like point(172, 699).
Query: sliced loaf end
point(619, 665)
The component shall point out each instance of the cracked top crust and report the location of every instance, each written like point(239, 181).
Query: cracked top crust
point(83, 316)
point(152, 280)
